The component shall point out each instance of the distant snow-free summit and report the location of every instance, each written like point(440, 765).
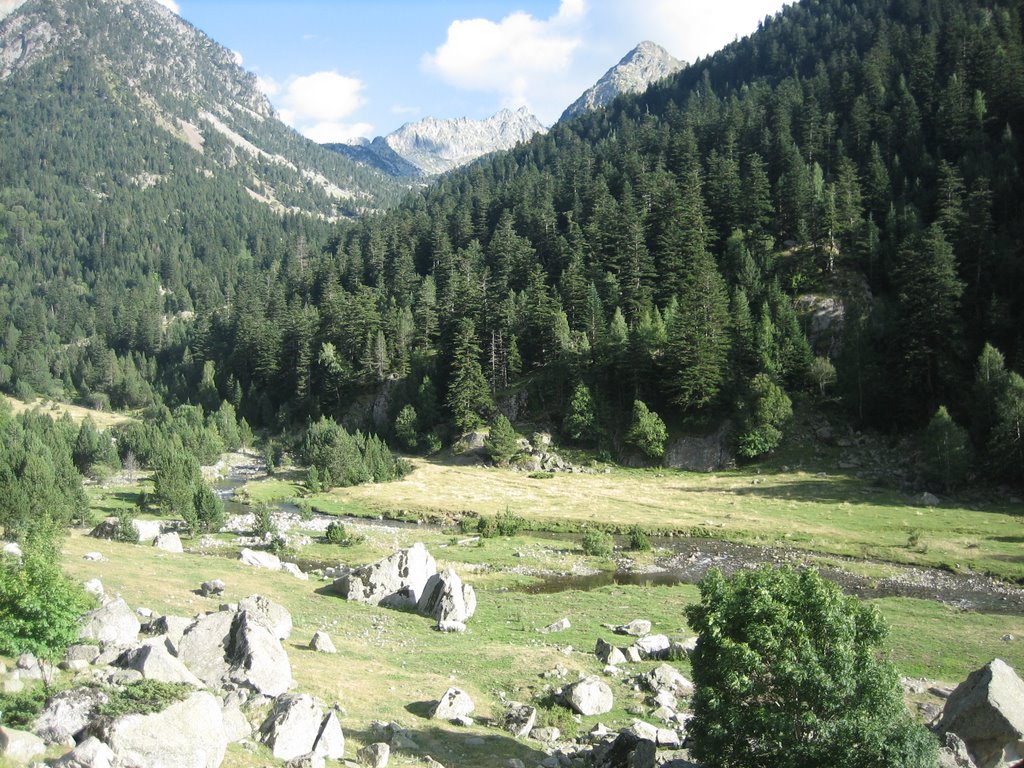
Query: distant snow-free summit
point(431, 146)
point(644, 65)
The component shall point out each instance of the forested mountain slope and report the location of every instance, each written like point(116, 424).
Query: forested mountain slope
point(647, 256)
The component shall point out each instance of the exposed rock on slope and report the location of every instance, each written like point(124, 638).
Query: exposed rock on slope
point(646, 64)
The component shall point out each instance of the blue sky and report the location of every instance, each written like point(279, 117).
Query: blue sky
point(343, 68)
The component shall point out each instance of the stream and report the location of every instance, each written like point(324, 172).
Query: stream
point(686, 561)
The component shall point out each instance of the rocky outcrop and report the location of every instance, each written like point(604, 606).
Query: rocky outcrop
point(203, 647)
point(169, 542)
point(91, 753)
point(67, 714)
point(453, 705)
point(519, 719)
point(297, 726)
point(256, 657)
point(707, 453)
point(155, 662)
point(114, 623)
point(638, 69)
point(20, 746)
point(396, 581)
point(271, 615)
point(188, 734)
point(374, 755)
point(987, 712)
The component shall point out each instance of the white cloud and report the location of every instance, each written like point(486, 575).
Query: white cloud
point(320, 106)
point(171, 5)
point(510, 57)
point(239, 60)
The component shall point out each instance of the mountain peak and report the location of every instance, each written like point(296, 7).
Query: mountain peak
point(647, 63)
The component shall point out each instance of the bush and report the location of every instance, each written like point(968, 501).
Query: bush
point(144, 697)
point(509, 524)
point(647, 431)
point(597, 543)
point(639, 541)
point(487, 527)
point(20, 710)
point(263, 521)
point(787, 675)
point(125, 530)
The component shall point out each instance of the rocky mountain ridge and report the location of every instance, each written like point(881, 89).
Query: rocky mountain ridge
point(434, 146)
point(173, 75)
point(641, 67)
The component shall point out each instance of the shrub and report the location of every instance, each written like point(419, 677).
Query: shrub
point(787, 674)
point(263, 521)
point(502, 443)
point(19, 710)
point(597, 543)
point(144, 697)
point(947, 450)
point(335, 534)
point(647, 431)
point(125, 530)
point(509, 524)
point(639, 541)
point(487, 527)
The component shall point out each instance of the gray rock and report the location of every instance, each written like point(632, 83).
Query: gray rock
point(653, 646)
point(453, 704)
point(11, 549)
point(95, 557)
point(519, 718)
point(689, 645)
point(148, 530)
point(114, 623)
point(707, 453)
point(446, 599)
point(156, 663)
point(557, 626)
point(953, 753)
point(644, 730)
point(82, 652)
point(260, 559)
point(638, 69)
point(397, 581)
point(669, 738)
point(203, 647)
point(20, 746)
point(330, 742)
point(91, 753)
point(635, 628)
point(67, 714)
point(292, 727)
point(295, 571)
point(548, 735)
point(665, 677)
point(212, 587)
point(626, 751)
point(374, 755)
point(273, 616)
point(309, 760)
point(608, 654)
point(236, 724)
point(987, 712)
point(172, 628)
point(257, 658)
point(169, 542)
point(450, 626)
point(322, 642)
point(590, 696)
point(929, 500)
point(188, 734)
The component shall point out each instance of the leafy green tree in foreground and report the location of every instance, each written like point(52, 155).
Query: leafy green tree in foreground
point(502, 442)
point(787, 676)
point(947, 450)
point(39, 605)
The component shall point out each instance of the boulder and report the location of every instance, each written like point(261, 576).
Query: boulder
point(203, 647)
point(148, 530)
point(295, 571)
point(590, 696)
point(293, 725)
point(454, 703)
point(330, 742)
point(635, 628)
point(187, 734)
point(446, 599)
point(702, 453)
point(257, 658)
point(322, 642)
point(20, 746)
point(82, 652)
point(665, 677)
point(91, 753)
point(397, 581)
point(308, 760)
point(608, 654)
point(519, 719)
point(987, 712)
point(374, 755)
point(168, 542)
point(94, 587)
point(260, 559)
point(114, 623)
point(172, 628)
point(547, 735)
point(236, 724)
point(68, 713)
point(271, 615)
point(627, 751)
point(927, 499)
point(155, 662)
point(11, 549)
point(953, 753)
point(450, 626)
point(557, 626)
point(212, 587)
point(653, 646)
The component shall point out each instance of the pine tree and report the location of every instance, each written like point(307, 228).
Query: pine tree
point(468, 394)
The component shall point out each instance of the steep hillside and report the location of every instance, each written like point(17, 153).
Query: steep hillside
point(639, 69)
point(432, 146)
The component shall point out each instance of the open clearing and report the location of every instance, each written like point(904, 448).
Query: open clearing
point(102, 419)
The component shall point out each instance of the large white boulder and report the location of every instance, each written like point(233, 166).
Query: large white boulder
point(445, 598)
point(260, 559)
point(292, 727)
point(396, 581)
point(590, 696)
point(188, 734)
point(453, 705)
point(114, 623)
point(987, 712)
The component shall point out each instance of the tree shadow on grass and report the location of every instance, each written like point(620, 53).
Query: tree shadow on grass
point(455, 746)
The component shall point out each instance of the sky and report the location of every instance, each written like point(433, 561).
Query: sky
point(339, 69)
